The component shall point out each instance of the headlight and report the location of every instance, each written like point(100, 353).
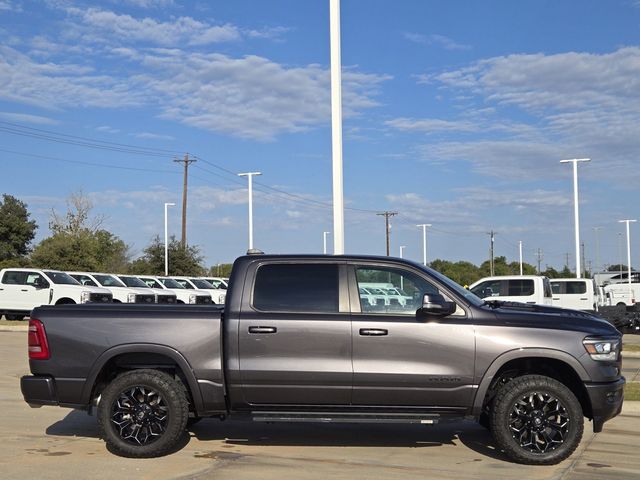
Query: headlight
point(192, 298)
point(221, 298)
point(602, 349)
point(85, 297)
point(131, 298)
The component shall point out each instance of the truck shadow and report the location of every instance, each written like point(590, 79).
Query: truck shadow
point(239, 432)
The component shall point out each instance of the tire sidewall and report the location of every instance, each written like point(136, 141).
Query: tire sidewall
point(524, 386)
point(171, 392)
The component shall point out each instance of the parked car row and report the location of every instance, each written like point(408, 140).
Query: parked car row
point(22, 289)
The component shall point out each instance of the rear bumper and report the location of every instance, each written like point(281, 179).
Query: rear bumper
point(39, 390)
point(606, 401)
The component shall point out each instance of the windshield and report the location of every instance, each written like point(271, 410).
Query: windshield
point(61, 278)
point(171, 283)
point(217, 283)
point(151, 283)
point(108, 281)
point(463, 292)
point(202, 284)
point(134, 282)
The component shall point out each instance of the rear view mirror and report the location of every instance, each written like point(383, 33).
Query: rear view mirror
point(435, 304)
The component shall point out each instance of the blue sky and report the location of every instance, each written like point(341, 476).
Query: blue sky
point(455, 114)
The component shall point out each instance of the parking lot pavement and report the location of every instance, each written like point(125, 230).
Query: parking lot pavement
point(56, 443)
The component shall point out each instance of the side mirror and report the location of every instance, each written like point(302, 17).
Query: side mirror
point(40, 283)
point(435, 304)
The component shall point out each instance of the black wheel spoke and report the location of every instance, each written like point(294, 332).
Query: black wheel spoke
point(140, 415)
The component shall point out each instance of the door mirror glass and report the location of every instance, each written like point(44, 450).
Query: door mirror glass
point(435, 304)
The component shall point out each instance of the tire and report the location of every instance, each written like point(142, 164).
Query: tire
point(159, 408)
point(537, 420)
point(14, 317)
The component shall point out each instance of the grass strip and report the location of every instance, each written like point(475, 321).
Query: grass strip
point(632, 391)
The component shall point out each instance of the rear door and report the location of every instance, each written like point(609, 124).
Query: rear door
point(400, 359)
point(295, 335)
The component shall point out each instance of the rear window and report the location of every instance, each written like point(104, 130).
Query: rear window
point(296, 288)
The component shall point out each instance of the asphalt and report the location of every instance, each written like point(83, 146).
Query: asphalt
point(56, 443)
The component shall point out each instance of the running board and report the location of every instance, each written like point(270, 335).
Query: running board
point(346, 417)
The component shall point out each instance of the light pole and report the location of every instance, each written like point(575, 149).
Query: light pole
point(628, 256)
point(424, 242)
point(336, 127)
point(520, 248)
point(166, 239)
point(402, 247)
point(575, 208)
point(249, 176)
point(324, 241)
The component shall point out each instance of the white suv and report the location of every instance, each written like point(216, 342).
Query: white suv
point(23, 289)
point(121, 293)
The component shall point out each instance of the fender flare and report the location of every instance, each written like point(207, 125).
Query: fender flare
point(113, 352)
point(506, 357)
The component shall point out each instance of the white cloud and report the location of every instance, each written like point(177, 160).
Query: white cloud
point(107, 129)
point(28, 118)
point(147, 3)
point(153, 136)
point(435, 39)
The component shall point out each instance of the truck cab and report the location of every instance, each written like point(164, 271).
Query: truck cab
point(575, 293)
point(533, 289)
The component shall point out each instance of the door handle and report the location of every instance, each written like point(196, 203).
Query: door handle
point(373, 332)
point(24, 289)
point(263, 329)
point(584, 299)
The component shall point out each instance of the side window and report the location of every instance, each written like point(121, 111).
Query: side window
point(520, 288)
point(576, 287)
point(389, 290)
point(490, 288)
point(14, 278)
point(556, 287)
point(281, 287)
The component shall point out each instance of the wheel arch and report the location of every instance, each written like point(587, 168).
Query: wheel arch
point(552, 363)
point(139, 356)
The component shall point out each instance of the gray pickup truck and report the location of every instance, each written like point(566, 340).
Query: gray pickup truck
point(298, 340)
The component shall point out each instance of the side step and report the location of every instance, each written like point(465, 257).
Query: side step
point(345, 417)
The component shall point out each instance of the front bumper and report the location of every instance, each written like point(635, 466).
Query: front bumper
point(606, 401)
point(38, 390)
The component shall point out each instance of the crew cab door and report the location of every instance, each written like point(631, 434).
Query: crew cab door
point(401, 359)
point(295, 335)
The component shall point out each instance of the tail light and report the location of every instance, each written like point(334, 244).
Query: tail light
point(38, 345)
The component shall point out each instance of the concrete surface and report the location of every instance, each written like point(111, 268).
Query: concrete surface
point(56, 443)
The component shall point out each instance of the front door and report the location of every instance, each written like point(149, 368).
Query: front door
point(401, 359)
point(295, 337)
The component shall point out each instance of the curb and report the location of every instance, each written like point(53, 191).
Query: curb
point(14, 328)
point(631, 407)
point(630, 354)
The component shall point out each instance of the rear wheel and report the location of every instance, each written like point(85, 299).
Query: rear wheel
point(14, 317)
point(537, 420)
point(143, 413)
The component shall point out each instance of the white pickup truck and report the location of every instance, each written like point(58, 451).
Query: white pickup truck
point(23, 289)
point(183, 295)
point(622, 294)
point(162, 296)
point(121, 293)
point(218, 295)
point(575, 293)
point(514, 288)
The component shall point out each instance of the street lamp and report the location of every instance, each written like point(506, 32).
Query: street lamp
point(598, 269)
point(575, 208)
point(166, 239)
point(336, 127)
point(520, 250)
point(324, 241)
point(424, 242)
point(628, 256)
point(402, 247)
point(249, 176)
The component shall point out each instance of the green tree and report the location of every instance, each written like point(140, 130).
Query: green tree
point(618, 267)
point(78, 242)
point(462, 272)
point(182, 261)
point(16, 230)
point(220, 270)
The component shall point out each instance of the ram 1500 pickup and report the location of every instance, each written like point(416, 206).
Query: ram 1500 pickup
point(296, 341)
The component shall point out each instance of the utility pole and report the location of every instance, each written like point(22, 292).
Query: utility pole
point(539, 256)
point(566, 263)
point(598, 267)
point(492, 236)
point(520, 249)
point(387, 226)
point(186, 161)
point(583, 264)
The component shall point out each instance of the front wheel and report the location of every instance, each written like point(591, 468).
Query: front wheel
point(537, 420)
point(143, 413)
point(14, 317)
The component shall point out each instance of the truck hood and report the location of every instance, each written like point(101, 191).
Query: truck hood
point(556, 318)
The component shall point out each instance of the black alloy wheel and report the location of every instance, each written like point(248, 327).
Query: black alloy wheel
point(536, 420)
point(143, 413)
